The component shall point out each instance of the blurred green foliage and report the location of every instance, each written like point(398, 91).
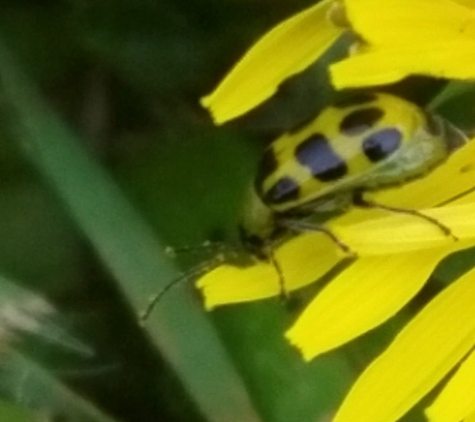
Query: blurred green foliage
point(105, 159)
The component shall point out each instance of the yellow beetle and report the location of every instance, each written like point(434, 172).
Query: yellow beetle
point(366, 143)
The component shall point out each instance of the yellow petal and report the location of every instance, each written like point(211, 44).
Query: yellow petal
point(470, 418)
point(286, 50)
point(397, 233)
point(306, 258)
point(417, 360)
point(457, 400)
point(379, 66)
point(467, 3)
point(303, 260)
point(403, 23)
point(465, 199)
point(361, 298)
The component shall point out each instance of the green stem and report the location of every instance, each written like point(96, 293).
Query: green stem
point(126, 246)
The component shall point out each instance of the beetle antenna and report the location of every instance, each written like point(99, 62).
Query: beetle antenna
point(197, 271)
point(217, 246)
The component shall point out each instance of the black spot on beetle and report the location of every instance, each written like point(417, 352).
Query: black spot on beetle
point(317, 155)
point(284, 190)
point(267, 166)
point(359, 121)
point(356, 99)
point(382, 144)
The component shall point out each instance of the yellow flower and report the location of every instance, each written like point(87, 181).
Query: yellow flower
point(373, 234)
point(396, 253)
point(407, 37)
point(398, 38)
point(422, 354)
point(286, 50)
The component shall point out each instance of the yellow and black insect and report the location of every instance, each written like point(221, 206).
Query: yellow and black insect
point(366, 143)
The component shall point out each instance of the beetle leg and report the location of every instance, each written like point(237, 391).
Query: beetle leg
point(301, 226)
point(360, 201)
point(283, 293)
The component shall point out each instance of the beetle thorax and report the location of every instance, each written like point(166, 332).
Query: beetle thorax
point(257, 224)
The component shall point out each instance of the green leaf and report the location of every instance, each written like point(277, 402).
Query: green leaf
point(127, 247)
point(12, 413)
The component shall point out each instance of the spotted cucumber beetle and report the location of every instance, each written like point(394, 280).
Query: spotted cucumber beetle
point(367, 143)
